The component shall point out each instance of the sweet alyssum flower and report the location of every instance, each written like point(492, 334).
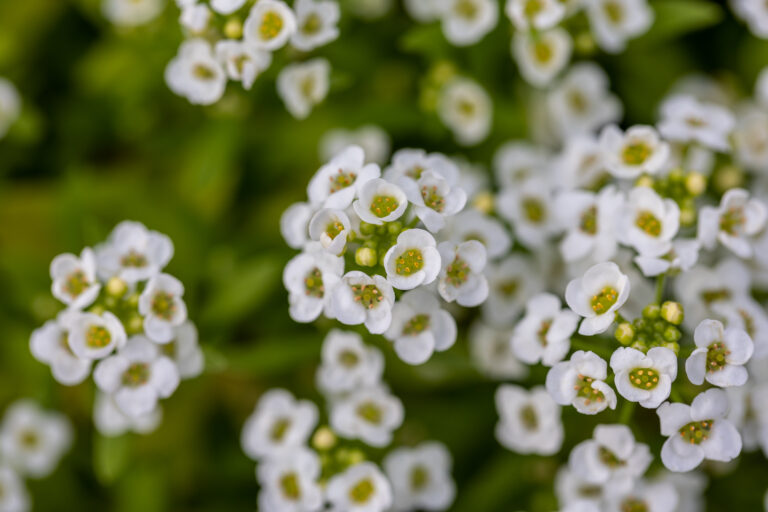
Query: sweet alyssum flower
point(461, 277)
point(734, 223)
point(421, 477)
point(644, 378)
point(133, 253)
point(92, 336)
point(302, 86)
point(360, 488)
point(309, 278)
point(590, 222)
point(162, 306)
point(683, 256)
point(316, 23)
point(474, 225)
point(750, 140)
point(465, 22)
point(226, 6)
point(10, 105)
point(331, 228)
point(368, 414)
point(413, 260)
point(513, 279)
point(374, 141)
point(541, 58)
point(111, 421)
point(698, 431)
point(380, 201)
point(534, 14)
point(597, 296)
point(720, 355)
point(466, 109)
point(290, 482)
point(749, 315)
point(433, 199)
point(269, 25)
point(529, 420)
point(580, 382)
point(49, 344)
point(528, 207)
point(243, 61)
point(409, 165)
point(638, 150)
point(649, 222)
point(195, 17)
point(196, 73)
point(651, 497)
point(685, 119)
point(130, 13)
point(347, 363)
point(15, 496)
point(361, 299)
point(544, 333)
point(492, 352)
point(516, 161)
point(580, 163)
point(336, 183)
point(614, 22)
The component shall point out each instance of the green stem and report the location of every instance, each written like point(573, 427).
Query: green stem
point(620, 319)
point(660, 287)
point(626, 412)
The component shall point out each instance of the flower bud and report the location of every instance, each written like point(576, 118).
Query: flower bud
point(695, 183)
point(116, 287)
point(366, 257)
point(324, 439)
point(135, 324)
point(674, 347)
point(483, 202)
point(641, 346)
point(233, 29)
point(672, 312)
point(651, 311)
point(625, 333)
point(672, 334)
point(367, 229)
point(395, 228)
point(644, 181)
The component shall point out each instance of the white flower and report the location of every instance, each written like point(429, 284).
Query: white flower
point(649, 222)
point(582, 102)
point(316, 23)
point(650, 497)
point(597, 296)
point(336, 184)
point(750, 139)
point(529, 421)
point(465, 22)
point(421, 477)
point(185, 351)
point(580, 382)
point(294, 224)
point(195, 17)
point(360, 488)
point(761, 87)
point(512, 281)
point(331, 228)
point(10, 105)
point(309, 278)
point(374, 141)
point(544, 333)
point(698, 431)
point(380, 201)
point(690, 489)
point(755, 14)
point(685, 119)
point(130, 13)
point(226, 6)
point(110, 421)
point(720, 355)
point(581, 163)
point(243, 62)
point(269, 25)
point(701, 288)
point(49, 344)
point(368, 414)
point(683, 256)
point(347, 363)
point(137, 376)
point(74, 279)
point(196, 74)
point(541, 58)
point(411, 164)
point(413, 261)
point(433, 199)
point(420, 327)
point(614, 22)
point(304, 85)
point(362, 299)
point(534, 14)
point(162, 307)
point(528, 208)
point(461, 278)
point(590, 222)
point(746, 313)
point(289, 483)
point(734, 223)
point(15, 497)
point(575, 492)
point(515, 162)
point(492, 353)
point(133, 253)
point(33, 440)
point(466, 109)
point(474, 225)
point(423, 11)
point(278, 424)
point(612, 458)
point(92, 336)
point(370, 9)
point(644, 378)
point(638, 150)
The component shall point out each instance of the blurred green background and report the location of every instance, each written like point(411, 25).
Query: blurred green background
point(102, 139)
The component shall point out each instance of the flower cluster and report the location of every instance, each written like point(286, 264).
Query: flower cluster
point(126, 320)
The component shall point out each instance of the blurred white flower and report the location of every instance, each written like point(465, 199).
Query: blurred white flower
point(196, 73)
point(580, 382)
point(303, 86)
point(421, 477)
point(269, 25)
point(529, 420)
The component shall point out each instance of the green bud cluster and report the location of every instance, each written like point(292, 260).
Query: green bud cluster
point(683, 187)
point(119, 300)
point(657, 327)
point(335, 456)
point(375, 241)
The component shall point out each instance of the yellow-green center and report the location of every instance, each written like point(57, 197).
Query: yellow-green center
point(613, 11)
point(588, 222)
point(362, 491)
point(644, 378)
point(716, 356)
point(348, 358)
point(416, 325)
point(367, 295)
point(466, 9)
point(409, 262)
point(419, 477)
point(289, 483)
point(279, 429)
point(603, 301)
point(163, 305)
point(370, 412)
point(271, 25)
point(432, 199)
point(136, 375)
point(203, 72)
point(334, 228)
point(76, 283)
point(585, 390)
point(609, 458)
point(529, 418)
point(341, 180)
point(696, 431)
point(313, 284)
point(732, 220)
point(134, 259)
point(543, 330)
point(97, 336)
point(534, 210)
point(381, 206)
point(542, 51)
point(312, 24)
point(633, 504)
point(636, 154)
point(457, 272)
point(648, 223)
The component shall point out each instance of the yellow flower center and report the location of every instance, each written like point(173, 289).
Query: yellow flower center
point(644, 378)
point(409, 262)
point(97, 337)
point(648, 223)
point(271, 25)
point(603, 301)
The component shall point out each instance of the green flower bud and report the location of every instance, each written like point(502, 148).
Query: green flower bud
point(638, 345)
point(366, 257)
point(672, 312)
point(674, 347)
point(395, 228)
point(233, 29)
point(116, 287)
point(651, 311)
point(324, 439)
point(135, 324)
point(672, 334)
point(659, 326)
point(367, 229)
point(695, 183)
point(625, 333)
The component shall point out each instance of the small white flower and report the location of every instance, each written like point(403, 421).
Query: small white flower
point(411, 164)
point(515, 162)
point(529, 421)
point(683, 256)
point(294, 224)
point(380, 201)
point(195, 17)
point(196, 74)
point(580, 382)
point(185, 351)
point(541, 58)
point(242, 61)
point(368, 414)
point(360, 488)
point(137, 376)
point(698, 431)
point(421, 477)
point(162, 307)
point(433, 199)
point(734, 223)
point(581, 163)
point(362, 299)
point(644, 378)
point(348, 364)
point(512, 281)
point(374, 141)
point(544, 333)
point(133, 253)
point(420, 327)
point(302, 86)
point(465, 22)
point(10, 105)
point(534, 14)
point(651, 497)
point(575, 492)
point(226, 6)
point(461, 278)
point(49, 344)
point(316, 23)
point(614, 22)
point(466, 109)
point(750, 139)
point(590, 222)
point(474, 225)
point(638, 150)
point(612, 458)
point(528, 208)
point(74, 279)
point(269, 25)
point(289, 483)
point(336, 184)
point(685, 119)
point(110, 421)
point(492, 353)
point(131, 13)
point(15, 497)
point(413, 261)
point(92, 336)
point(279, 424)
point(331, 228)
point(309, 278)
point(746, 313)
point(755, 14)
point(720, 355)
point(597, 296)
point(33, 440)
point(423, 11)
point(649, 222)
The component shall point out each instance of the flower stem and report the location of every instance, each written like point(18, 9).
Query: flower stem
point(660, 287)
point(626, 412)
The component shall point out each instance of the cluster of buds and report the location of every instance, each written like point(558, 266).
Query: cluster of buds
point(657, 327)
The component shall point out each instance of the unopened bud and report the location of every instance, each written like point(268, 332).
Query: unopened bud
point(641, 346)
point(135, 324)
point(395, 228)
point(672, 312)
point(324, 439)
point(673, 346)
point(695, 183)
point(233, 29)
point(367, 228)
point(672, 334)
point(483, 202)
point(625, 333)
point(644, 181)
point(366, 257)
point(116, 287)
point(651, 311)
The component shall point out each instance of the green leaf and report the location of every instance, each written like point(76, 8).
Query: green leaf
point(275, 356)
point(675, 18)
point(110, 457)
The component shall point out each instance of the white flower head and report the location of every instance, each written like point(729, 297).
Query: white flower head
point(701, 288)
point(421, 477)
point(475, 225)
point(185, 351)
point(304, 85)
point(74, 279)
point(110, 421)
point(368, 414)
point(629, 154)
point(682, 257)
point(515, 162)
point(644, 378)
point(15, 497)
point(461, 278)
point(49, 344)
point(131, 13)
point(423, 11)
point(269, 25)
point(243, 62)
point(360, 488)
point(413, 261)
point(720, 355)
point(512, 281)
point(581, 164)
point(226, 6)
point(755, 14)
point(279, 423)
point(348, 364)
point(576, 494)
point(465, 22)
point(133, 253)
point(336, 184)
point(534, 14)
point(590, 222)
point(195, 17)
point(649, 222)
point(10, 105)
point(686, 119)
point(734, 223)
point(373, 139)
point(652, 497)
point(698, 431)
point(196, 73)
point(294, 224)
point(492, 353)
point(597, 296)
point(540, 59)
point(750, 139)
point(544, 333)
point(92, 336)
point(316, 23)
point(746, 313)
point(580, 382)
point(289, 482)
point(420, 327)
point(434, 199)
point(380, 201)
point(331, 228)
point(33, 440)
point(162, 306)
point(614, 22)
point(528, 207)
point(529, 420)
point(309, 278)
point(411, 164)
point(466, 109)
point(362, 299)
